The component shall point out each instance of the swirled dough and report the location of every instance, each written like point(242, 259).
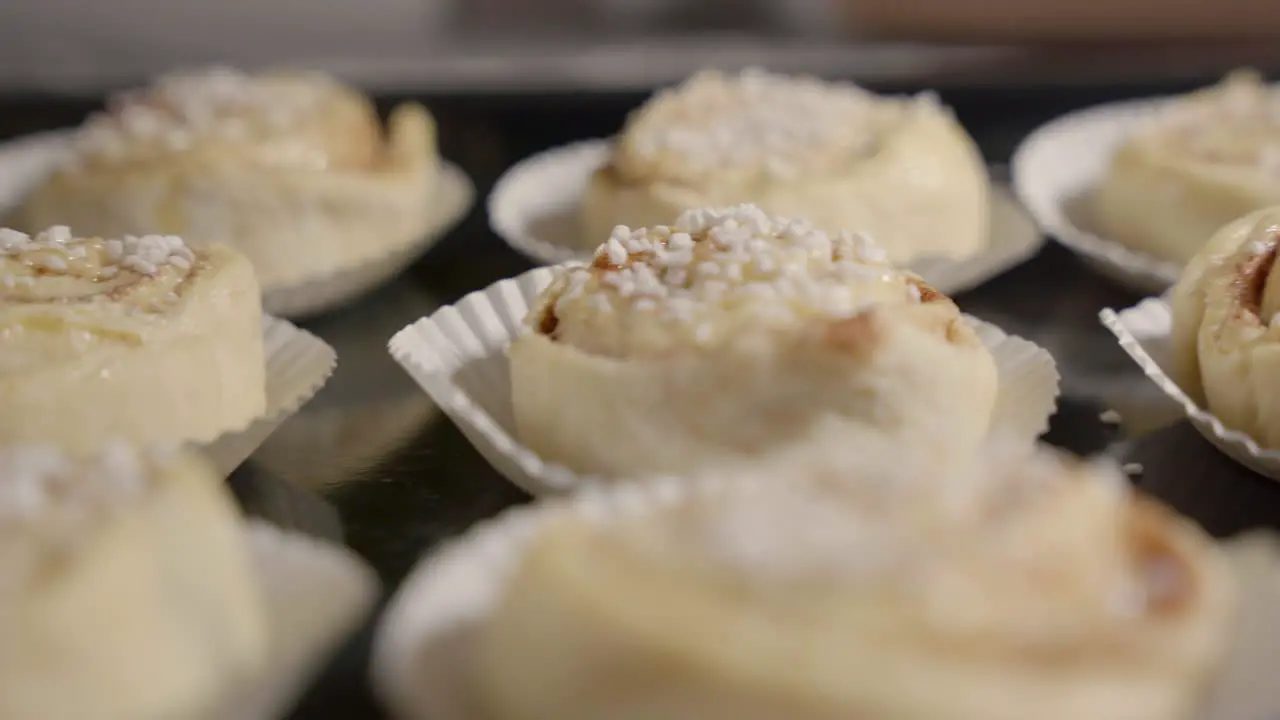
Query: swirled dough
point(735, 332)
point(1202, 161)
point(126, 585)
point(1226, 337)
point(140, 338)
point(900, 169)
point(291, 169)
point(832, 584)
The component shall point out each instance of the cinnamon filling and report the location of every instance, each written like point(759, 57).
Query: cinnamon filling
point(548, 323)
point(611, 174)
point(122, 292)
point(1167, 576)
point(856, 336)
point(927, 293)
point(1251, 275)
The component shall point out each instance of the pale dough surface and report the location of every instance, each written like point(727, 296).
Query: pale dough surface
point(1201, 162)
point(128, 587)
point(832, 585)
point(97, 343)
point(900, 169)
point(294, 170)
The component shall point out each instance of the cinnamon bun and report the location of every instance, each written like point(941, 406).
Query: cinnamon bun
point(1226, 326)
point(1199, 163)
point(901, 169)
point(127, 587)
point(1000, 586)
point(733, 333)
point(141, 338)
point(292, 169)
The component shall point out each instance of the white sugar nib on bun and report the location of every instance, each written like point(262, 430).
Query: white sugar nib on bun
point(732, 333)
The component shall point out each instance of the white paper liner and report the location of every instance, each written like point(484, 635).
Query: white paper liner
point(26, 161)
point(298, 365)
point(1054, 172)
point(534, 207)
point(316, 594)
point(420, 651)
point(452, 198)
point(1143, 331)
point(458, 356)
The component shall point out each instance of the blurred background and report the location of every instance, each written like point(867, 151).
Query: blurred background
point(488, 46)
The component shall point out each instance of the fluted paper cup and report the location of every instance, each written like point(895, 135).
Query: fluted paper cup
point(1055, 171)
point(298, 365)
point(26, 161)
point(1144, 332)
point(459, 357)
point(535, 208)
point(420, 651)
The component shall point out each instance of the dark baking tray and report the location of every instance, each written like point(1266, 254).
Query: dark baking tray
point(372, 464)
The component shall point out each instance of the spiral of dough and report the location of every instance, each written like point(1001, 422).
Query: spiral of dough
point(832, 584)
point(901, 169)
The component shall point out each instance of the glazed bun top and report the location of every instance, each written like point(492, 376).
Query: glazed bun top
point(754, 127)
point(63, 296)
point(1008, 542)
point(717, 276)
point(55, 265)
point(296, 120)
point(52, 503)
point(1232, 126)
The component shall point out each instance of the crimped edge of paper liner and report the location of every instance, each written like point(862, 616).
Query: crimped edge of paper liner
point(484, 322)
point(453, 198)
point(1152, 320)
point(455, 587)
point(553, 180)
point(1067, 156)
point(26, 160)
point(298, 365)
point(316, 593)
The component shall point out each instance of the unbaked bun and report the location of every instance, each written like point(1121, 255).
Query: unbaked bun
point(1201, 162)
point(733, 333)
point(901, 169)
point(127, 587)
point(140, 338)
point(833, 584)
point(291, 169)
point(1226, 335)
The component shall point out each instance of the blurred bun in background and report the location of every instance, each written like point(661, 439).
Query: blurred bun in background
point(1063, 20)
